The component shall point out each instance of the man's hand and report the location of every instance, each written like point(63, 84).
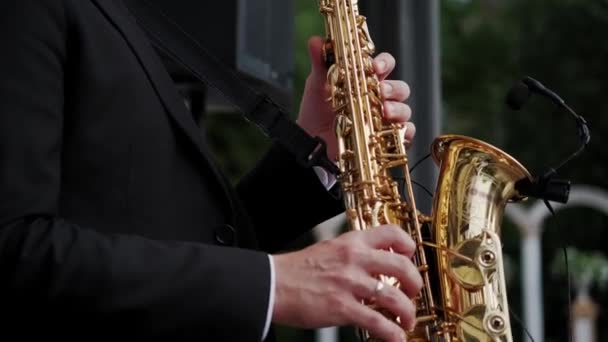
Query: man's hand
point(324, 284)
point(316, 115)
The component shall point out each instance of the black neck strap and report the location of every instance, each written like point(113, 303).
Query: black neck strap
point(257, 108)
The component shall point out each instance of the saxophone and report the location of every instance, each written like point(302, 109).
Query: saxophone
point(459, 255)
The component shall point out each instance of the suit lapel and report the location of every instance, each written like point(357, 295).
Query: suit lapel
point(162, 83)
point(155, 70)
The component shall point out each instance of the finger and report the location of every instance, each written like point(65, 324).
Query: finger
point(384, 64)
point(396, 302)
point(395, 90)
point(377, 324)
point(410, 131)
point(398, 266)
point(399, 305)
point(397, 111)
point(389, 236)
point(315, 53)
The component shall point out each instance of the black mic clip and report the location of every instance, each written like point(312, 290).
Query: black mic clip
point(546, 188)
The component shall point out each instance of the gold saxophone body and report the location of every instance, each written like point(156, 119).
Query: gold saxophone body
point(464, 297)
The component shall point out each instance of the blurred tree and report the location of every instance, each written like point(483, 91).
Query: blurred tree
point(585, 269)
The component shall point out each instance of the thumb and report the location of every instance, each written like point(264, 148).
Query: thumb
point(315, 52)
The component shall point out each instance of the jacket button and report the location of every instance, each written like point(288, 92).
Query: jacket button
point(225, 235)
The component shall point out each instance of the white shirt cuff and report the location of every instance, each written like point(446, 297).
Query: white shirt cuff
point(327, 179)
point(271, 299)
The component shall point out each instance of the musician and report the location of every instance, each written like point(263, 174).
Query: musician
point(116, 222)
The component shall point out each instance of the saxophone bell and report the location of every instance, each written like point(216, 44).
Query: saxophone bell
point(476, 182)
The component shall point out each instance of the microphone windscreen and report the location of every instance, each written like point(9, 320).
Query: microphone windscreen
point(518, 96)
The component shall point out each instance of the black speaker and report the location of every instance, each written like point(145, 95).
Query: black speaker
point(253, 37)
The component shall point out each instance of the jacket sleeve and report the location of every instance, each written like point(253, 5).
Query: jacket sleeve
point(294, 199)
point(56, 270)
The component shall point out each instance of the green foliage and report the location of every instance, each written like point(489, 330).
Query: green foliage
point(587, 269)
point(474, 42)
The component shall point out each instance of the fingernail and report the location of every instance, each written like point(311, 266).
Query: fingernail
point(387, 89)
point(381, 66)
point(390, 108)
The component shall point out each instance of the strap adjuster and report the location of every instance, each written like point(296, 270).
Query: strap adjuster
point(318, 157)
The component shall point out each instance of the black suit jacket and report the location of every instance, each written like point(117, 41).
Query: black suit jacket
point(114, 221)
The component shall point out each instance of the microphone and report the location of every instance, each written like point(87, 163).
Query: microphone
point(539, 88)
point(519, 94)
point(546, 187)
